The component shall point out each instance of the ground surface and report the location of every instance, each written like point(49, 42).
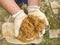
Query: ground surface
point(53, 20)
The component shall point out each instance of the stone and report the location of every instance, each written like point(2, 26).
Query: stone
point(54, 33)
point(55, 7)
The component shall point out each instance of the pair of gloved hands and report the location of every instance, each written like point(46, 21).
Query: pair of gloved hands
point(32, 10)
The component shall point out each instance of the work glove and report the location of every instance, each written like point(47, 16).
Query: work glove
point(18, 18)
point(35, 10)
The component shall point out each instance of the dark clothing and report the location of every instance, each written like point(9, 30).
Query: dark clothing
point(24, 1)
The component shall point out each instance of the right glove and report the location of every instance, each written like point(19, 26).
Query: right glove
point(34, 10)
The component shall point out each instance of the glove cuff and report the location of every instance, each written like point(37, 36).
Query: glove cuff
point(19, 12)
point(33, 8)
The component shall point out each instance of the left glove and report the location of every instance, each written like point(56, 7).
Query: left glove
point(19, 16)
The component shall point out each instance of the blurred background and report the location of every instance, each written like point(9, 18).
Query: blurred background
point(51, 8)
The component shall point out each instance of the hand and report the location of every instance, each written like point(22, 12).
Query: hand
point(19, 16)
point(34, 10)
